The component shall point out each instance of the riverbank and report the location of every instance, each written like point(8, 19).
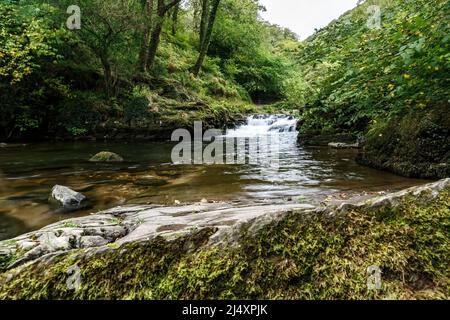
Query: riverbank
point(153, 116)
point(413, 145)
point(385, 87)
point(217, 251)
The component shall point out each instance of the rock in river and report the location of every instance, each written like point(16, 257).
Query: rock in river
point(68, 199)
point(341, 145)
point(106, 156)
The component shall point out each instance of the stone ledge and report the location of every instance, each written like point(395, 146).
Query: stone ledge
point(111, 229)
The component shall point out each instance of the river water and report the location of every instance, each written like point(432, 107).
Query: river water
point(28, 173)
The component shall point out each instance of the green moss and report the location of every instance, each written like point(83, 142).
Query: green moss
point(7, 260)
point(300, 257)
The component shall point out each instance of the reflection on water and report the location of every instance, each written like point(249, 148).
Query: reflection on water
point(27, 174)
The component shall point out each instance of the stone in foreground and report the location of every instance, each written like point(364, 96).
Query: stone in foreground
point(142, 224)
point(157, 252)
point(106, 156)
point(67, 199)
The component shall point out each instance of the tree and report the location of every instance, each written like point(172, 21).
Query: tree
point(143, 54)
point(105, 29)
point(162, 9)
point(175, 13)
point(206, 30)
point(203, 21)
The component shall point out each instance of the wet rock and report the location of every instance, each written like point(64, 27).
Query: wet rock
point(227, 224)
point(106, 156)
point(150, 181)
point(312, 139)
point(11, 145)
point(282, 128)
point(341, 145)
point(92, 241)
point(67, 199)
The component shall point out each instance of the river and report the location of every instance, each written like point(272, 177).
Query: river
point(28, 173)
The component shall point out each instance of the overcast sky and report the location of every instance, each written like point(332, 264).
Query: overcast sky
point(303, 16)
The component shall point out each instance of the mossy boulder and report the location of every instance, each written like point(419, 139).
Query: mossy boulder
point(106, 156)
point(319, 254)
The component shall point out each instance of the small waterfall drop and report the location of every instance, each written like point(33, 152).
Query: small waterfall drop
point(258, 125)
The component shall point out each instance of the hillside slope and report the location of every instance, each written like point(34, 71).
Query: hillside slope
point(388, 81)
point(86, 83)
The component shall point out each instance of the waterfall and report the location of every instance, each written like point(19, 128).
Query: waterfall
point(257, 125)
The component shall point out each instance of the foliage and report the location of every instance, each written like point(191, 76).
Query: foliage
point(55, 81)
point(248, 49)
point(354, 74)
point(416, 145)
point(30, 42)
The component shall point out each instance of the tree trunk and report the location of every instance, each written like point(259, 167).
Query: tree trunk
point(143, 54)
point(196, 8)
point(162, 10)
point(175, 13)
point(207, 37)
point(203, 22)
point(154, 43)
point(107, 73)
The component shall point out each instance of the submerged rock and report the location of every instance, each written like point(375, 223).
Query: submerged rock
point(150, 181)
point(106, 156)
point(68, 199)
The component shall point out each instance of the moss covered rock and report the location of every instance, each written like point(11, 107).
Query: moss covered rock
point(312, 254)
point(106, 156)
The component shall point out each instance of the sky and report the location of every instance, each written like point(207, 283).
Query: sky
point(303, 16)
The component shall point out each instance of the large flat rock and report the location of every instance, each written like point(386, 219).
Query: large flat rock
point(122, 225)
point(116, 227)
